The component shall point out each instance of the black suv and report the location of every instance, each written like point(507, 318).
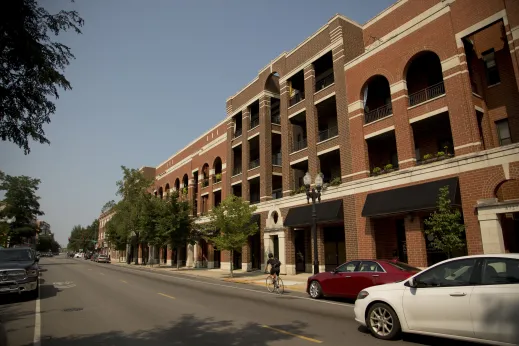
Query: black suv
point(19, 271)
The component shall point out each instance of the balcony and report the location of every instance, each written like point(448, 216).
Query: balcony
point(254, 122)
point(328, 133)
point(300, 145)
point(275, 119)
point(276, 194)
point(324, 81)
point(427, 94)
point(276, 159)
point(237, 133)
point(205, 182)
point(217, 178)
point(237, 170)
point(253, 164)
point(379, 113)
point(295, 99)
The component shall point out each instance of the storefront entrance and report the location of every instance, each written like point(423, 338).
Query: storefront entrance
point(300, 250)
point(334, 247)
point(255, 247)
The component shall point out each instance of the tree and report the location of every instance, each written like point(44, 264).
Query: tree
point(84, 238)
point(47, 243)
point(21, 202)
point(174, 223)
point(108, 206)
point(116, 234)
point(445, 225)
point(230, 225)
point(133, 189)
point(31, 68)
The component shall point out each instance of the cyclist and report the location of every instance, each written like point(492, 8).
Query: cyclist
point(275, 265)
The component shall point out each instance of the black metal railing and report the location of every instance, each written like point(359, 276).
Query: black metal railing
point(328, 133)
point(276, 159)
point(323, 81)
point(254, 122)
point(237, 170)
point(217, 178)
point(378, 113)
point(254, 164)
point(427, 94)
point(275, 119)
point(296, 99)
point(276, 194)
point(237, 133)
point(300, 145)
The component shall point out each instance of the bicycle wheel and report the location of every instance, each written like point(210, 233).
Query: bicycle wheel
point(280, 289)
point(270, 283)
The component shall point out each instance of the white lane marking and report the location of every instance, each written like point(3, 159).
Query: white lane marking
point(244, 289)
point(36, 341)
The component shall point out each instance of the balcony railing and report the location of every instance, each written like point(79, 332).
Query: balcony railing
point(217, 178)
point(275, 119)
point(254, 164)
point(237, 170)
point(295, 99)
point(300, 145)
point(276, 159)
point(254, 122)
point(205, 182)
point(378, 113)
point(427, 94)
point(324, 81)
point(237, 133)
point(276, 194)
point(328, 133)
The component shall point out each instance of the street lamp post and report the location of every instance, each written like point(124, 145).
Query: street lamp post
point(314, 193)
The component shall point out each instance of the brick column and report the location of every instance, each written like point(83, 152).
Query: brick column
point(463, 120)
point(245, 155)
point(286, 140)
point(226, 181)
point(190, 191)
point(169, 258)
point(199, 197)
point(404, 133)
point(290, 250)
point(210, 199)
point(225, 177)
point(265, 149)
point(312, 128)
point(343, 122)
point(139, 254)
point(415, 243)
point(246, 260)
point(359, 148)
point(359, 233)
point(210, 256)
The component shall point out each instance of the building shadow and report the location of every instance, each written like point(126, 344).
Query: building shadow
point(189, 330)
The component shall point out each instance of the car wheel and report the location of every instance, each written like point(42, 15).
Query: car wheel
point(315, 290)
point(383, 322)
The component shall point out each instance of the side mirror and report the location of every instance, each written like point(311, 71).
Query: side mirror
point(37, 259)
point(412, 283)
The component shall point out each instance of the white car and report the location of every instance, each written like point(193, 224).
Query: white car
point(472, 298)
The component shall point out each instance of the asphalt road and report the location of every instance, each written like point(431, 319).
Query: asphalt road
point(85, 303)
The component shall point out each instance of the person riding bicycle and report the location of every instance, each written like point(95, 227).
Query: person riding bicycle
point(275, 265)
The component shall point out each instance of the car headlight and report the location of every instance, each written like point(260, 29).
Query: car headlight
point(32, 272)
point(362, 294)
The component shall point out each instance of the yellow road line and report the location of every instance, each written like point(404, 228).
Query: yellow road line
point(124, 281)
point(294, 335)
point(165, 295)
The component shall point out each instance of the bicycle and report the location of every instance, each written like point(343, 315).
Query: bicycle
point(275, 284)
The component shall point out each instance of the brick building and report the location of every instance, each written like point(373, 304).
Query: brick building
point(102, 245)
point(423, 95)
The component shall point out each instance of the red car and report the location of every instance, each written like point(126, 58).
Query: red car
point(348, 279)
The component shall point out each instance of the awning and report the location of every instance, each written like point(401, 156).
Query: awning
point(419, 197)
point(326, 212)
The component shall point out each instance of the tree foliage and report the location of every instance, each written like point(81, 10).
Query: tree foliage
point(230, 225)
point(445, 225)
point(108, 206)
point(20, 201)
point(84, 238)
point(31, 68)
point(47, 243)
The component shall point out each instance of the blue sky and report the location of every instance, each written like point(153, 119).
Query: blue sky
point(149, 77)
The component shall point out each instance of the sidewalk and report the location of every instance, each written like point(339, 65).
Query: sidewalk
point(291, 282)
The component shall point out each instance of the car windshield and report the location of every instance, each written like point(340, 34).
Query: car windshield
point(16, 255)
point(404, 267)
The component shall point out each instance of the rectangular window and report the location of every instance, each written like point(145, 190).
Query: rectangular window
point(491, 67)
point(503, 132)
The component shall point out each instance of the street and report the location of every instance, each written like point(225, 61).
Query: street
point(85, 303)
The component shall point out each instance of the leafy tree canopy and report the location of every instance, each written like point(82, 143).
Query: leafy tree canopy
point(31, 68)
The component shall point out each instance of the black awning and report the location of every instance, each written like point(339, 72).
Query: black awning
point(410, 198)
point(326, 212)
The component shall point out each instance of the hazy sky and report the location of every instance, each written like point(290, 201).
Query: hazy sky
point(149, 77)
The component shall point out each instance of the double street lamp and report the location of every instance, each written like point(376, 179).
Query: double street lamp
point(314, 193)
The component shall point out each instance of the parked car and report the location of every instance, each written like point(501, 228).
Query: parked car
point(19, 271)
point(103, 259)
point(473, 298)
point(348, 279)
point(79, 255)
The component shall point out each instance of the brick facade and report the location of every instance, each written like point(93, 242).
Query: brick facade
point(435, 97)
